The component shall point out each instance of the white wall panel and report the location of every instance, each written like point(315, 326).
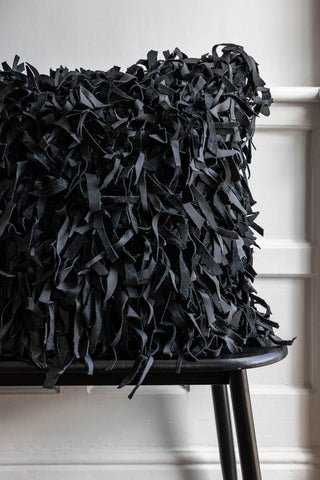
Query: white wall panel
point(286, 296)
point(278, 182)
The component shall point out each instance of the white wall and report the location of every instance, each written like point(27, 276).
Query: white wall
point(95, 432)
point(281, 34)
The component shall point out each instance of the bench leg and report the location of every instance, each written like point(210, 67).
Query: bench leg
point(224, 431)
point(244, 425)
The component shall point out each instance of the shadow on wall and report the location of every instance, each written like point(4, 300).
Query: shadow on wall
point(314, 398)
point(315, 42)
point(173, 438)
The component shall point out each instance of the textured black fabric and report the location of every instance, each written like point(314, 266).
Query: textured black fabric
point(126, 221)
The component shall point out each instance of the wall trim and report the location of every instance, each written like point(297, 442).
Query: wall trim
point(283, 257)
point(298, 94)
point(151, 456)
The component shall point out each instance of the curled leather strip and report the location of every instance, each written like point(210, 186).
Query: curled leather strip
point(126, 220)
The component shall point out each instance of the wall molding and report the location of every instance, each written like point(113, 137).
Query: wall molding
point(313, 299)
point(143, 472)
point(143, 390)
point(276, 389)
point(286, 257)
point(194, 455)
point(299, 94)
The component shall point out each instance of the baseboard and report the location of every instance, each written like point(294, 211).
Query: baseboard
point(149, 456)
point(143, 472)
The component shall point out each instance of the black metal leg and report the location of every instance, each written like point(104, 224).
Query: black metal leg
point(244, 425)
point(224, 431)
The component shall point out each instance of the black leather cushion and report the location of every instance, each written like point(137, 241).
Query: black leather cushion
point(126, 221)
